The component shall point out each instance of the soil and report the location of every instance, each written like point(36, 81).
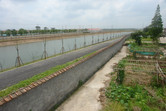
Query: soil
point(133, 78)
point(90, 96)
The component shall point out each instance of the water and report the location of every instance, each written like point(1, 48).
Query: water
point(30, 52)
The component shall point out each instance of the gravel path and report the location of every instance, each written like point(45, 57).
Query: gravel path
point(12, 77)
point(87, 97)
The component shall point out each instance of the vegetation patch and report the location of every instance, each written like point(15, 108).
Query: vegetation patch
point(131, 97)
point(121, 72)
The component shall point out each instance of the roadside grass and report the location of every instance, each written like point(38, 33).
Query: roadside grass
point(27, 82)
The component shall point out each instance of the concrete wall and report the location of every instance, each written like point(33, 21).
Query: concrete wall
point(52, 92)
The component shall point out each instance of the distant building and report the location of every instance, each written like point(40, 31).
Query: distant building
point(94, 30)
point(164, 32)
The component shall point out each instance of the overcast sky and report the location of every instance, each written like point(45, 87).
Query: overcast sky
point(79, 13)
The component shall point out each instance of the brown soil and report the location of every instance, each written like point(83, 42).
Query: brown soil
point(133, 78)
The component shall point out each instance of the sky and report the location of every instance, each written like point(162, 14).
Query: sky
point(79, 13)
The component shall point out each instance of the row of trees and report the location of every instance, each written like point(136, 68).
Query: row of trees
point(154, 30)
point(22, 31)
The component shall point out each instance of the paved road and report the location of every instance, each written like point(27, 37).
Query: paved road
point(12, 77)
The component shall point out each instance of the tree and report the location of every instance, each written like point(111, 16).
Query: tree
point(1, 33)
point(156, 27)
point(37, 27)
point(14, 32)
point(8, 32)
point(137, 37)
point(22, 31)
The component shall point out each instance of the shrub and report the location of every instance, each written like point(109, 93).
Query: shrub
point(121, 72)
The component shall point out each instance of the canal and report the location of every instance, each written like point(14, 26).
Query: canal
point(30, 52)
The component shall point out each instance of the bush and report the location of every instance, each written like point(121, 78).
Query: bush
point(137, 37)
point(121, 72)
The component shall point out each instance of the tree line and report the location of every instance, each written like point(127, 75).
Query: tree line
point(154, 30)
point(38, 30)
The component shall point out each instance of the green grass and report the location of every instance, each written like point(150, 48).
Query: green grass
point(143, 39)
point(27, 82)
point(146, 39)
point(113, 106)
point(134, 46)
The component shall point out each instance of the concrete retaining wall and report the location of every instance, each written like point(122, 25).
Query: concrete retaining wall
point(52, 92)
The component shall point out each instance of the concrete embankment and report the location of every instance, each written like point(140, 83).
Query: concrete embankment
point(44, 96)
point(87, 97)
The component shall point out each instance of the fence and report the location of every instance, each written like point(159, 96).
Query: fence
point(18, 54)
point(54, 89)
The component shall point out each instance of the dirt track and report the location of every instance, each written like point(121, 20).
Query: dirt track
point(87, 97)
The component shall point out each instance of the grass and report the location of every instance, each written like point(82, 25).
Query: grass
point(113, 106)
point(142, 39)
point(146, 39)
point(147, 46)
point(27, 82)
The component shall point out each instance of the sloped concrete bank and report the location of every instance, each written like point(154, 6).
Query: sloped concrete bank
point(55, 90)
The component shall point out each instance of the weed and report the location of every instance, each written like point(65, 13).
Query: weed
point(121, 72)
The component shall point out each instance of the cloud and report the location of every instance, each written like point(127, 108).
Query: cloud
point(71, 13)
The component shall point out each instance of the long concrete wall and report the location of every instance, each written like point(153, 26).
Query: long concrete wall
point(55, 90)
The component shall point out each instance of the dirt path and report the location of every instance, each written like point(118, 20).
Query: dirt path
point(87, 97)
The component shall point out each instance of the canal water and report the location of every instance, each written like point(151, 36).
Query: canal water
point(30, 52)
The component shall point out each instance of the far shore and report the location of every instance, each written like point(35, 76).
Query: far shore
point(39, 38)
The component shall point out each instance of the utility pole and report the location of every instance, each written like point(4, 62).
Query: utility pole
point(18, 61)
point(110, 36)
point(84, 41)
point(75, 45)
point(45, 55)
point(1, 67)
point(92, 40)
point(63, 49)
point(103, 36)
point(62, 41)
